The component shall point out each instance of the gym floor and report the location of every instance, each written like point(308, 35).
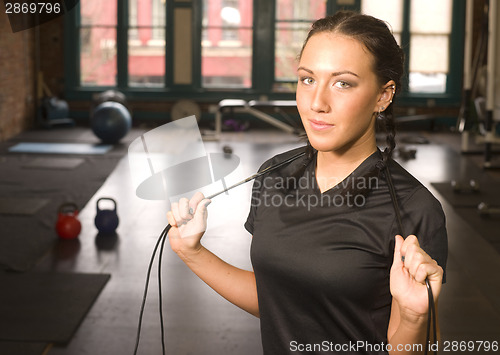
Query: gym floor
point(197, 320)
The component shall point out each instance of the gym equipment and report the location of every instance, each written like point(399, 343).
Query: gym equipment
point(252, 108)
point(110, 121)
point(50, 111)
point(471, 187)
point(481, 82)
point(406, 153)
point(227, 150)
point(110, 95)
point(185, 108)
point(486, 210)
point(106, 221)
point(235, 125)
point(60, 148)
point(55, 112)
point(68, 226)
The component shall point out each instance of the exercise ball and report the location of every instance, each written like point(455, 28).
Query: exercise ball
point(110, 121)
point(110, 95)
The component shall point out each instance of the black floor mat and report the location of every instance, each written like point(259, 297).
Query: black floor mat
point(46, 307)
point(21, 206)
point(486, 226)
point(465, 204)
point(17, 348)
point(488, 193)
point(26, 180)
point(53, 163)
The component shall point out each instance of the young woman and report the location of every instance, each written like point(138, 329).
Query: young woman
point(332, 274)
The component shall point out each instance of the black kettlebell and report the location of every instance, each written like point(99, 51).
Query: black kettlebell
point(106, 221)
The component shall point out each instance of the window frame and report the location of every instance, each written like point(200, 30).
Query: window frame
point(224, 29)
point(263, 65)
point(452, 96)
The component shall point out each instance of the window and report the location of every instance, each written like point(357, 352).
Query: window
point(146, 43)
point(293, 20)
point(215, 49)
point(391, 12)
point(429, 30)
point(226, 53)
point(97, 33)
point(231, 19)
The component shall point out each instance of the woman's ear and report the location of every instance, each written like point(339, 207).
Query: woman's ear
point(388, 92)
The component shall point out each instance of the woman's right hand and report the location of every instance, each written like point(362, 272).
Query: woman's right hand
point(188, 219)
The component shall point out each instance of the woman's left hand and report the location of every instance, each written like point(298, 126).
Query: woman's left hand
point(408, 278)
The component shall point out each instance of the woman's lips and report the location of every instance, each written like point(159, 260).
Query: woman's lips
point(319, 125)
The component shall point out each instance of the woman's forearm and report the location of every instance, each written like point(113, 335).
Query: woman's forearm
point(408, 339)
point(235, 285)
point(408, 336)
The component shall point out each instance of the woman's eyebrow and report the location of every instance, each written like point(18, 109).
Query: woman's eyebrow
point(337, 73)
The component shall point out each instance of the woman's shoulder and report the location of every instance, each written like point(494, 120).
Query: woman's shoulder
point(416, 199)
point(422, 214)
point(407, 184)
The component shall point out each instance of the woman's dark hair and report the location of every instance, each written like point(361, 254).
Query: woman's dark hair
point(388, 57)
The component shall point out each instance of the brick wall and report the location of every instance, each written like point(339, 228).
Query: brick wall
point(52, 55)
point(17, 90)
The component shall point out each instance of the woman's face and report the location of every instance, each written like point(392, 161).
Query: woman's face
point(338, 94)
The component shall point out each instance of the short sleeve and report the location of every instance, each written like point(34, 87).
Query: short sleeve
point(254, 202)
point(428, 223)
point(249, 224)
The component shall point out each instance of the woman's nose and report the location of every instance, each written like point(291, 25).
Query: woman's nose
point(319, 100)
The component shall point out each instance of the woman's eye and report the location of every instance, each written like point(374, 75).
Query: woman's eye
point(307, 80)
point(342, 84)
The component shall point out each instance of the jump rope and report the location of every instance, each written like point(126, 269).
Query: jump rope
point(431, 318)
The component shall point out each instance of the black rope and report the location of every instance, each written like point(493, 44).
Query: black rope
point(143, 304)
point(160, 298)
point(431, 314)
point(161, 242)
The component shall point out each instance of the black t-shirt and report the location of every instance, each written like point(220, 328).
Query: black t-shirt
point(322, 260)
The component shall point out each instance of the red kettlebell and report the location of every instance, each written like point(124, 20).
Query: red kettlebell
point(68, 226)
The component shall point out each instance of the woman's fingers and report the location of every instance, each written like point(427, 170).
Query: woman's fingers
point(171, 219)
point(398, 258)
point(409, 241)
point(409, 251)
point(414, 256)
point(418, 263)
point(195, 201)
point(174, 208)
point(426, 270)
point(189, 216)
point(184, 212)
point(200, 214)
